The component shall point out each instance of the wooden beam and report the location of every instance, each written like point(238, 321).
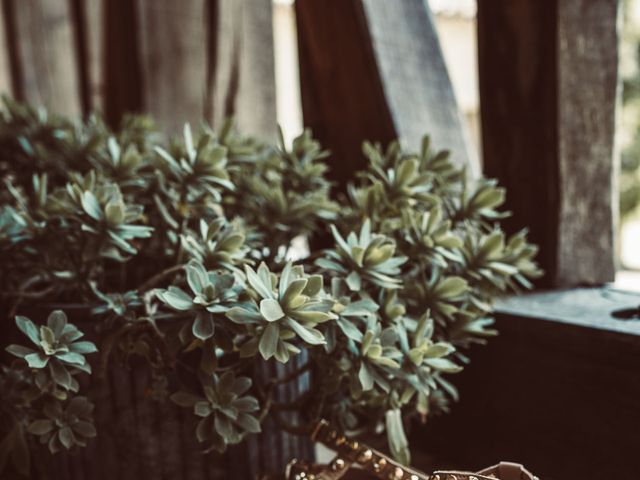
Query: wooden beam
point(173, 54)
point(373, 69)
point(122, 76)
point(243, 77)
point(45, 63)
point(94, 18)
point(548, 89)
point(5, 65)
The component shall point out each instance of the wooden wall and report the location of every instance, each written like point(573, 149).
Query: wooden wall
point(179, 61)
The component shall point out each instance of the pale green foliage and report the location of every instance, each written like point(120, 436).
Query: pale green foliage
point(227, 414)
point(182, 251)
point(65, 427)
point(58, 351)
point(44, 388)
point(285, 308)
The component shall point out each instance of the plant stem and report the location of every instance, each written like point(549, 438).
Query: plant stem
point(292, 375)
point(160, 276)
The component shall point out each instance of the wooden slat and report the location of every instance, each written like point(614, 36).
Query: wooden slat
point(415, 78)
point(243, 77)
point(548, 80)
point(45, 54)
point(588, 88)
point(5, 66)
point(372, 69)
point(94, 11)
point(173, 55)
point(122, 76)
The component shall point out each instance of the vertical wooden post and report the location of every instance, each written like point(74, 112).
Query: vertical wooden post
point(5, 65)
point(123, 84)
point(44, 63)
point(243, 79)
point(174, 59)
point(94, 35)
point(548, 90)
point(373, 69)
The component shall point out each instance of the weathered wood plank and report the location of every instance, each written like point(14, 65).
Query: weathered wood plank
point(372, 69)
point(123, 83)
point(45, 54)
point(588, 90)
point(548, 82)
point(173, 54)
point(243, 77)
point(5, 65)
point(94, 18)
point(415, 78)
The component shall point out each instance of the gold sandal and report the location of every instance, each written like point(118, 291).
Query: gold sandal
point(352, 453)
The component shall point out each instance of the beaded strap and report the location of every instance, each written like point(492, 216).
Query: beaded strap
point(381, 466)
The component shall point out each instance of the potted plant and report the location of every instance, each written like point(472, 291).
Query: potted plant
point(207, 319)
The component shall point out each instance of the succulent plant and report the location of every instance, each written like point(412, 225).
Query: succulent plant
point(289, 307)
point(368, 257)
point(65, 426)
point(211, 293)
point(57, 349)
point(226, 413)
point(188, 248)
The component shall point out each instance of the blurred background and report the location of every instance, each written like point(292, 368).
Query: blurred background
point(455, 21)
point(78, 56)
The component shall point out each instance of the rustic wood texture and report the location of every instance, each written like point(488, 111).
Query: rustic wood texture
point(548, 87)
point(94, 16)
point(122, 75)
point(173, 55)
point(243, 75)
point(372, 69)
point(558, 393)
point(588, 90)
point(5, 64)
point(45, 64)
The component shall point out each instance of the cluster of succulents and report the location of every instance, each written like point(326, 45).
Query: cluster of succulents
point(42, 390)
point(196, 238)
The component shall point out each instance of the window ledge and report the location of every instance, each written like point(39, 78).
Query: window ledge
point(584, 307)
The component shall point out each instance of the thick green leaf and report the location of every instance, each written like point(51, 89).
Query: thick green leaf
point(40, 427)
point(365, 377)
point(60, 374)
point(27, 327)
point(309, 335)
point(37, 360)
point(354, 281)
point(72, 358)
point(86, 429)
point(56, 322)
point(269, 340)
point(83, 347)
point(248, 423)
point(176, 298)
point(203, 326)
point(66, 437)
point(294, 289)
point(349, 329)
point(19, 350)
point(398, 443)
point(271, 310)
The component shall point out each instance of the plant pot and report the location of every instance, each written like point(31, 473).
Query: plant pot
point(140, 436)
